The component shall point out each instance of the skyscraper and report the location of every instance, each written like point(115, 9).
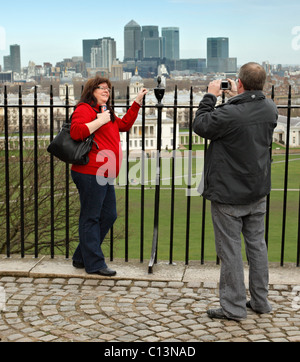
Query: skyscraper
point(132, 41)
point(218, 60)
point(15, 58)
point(151, 42)
point(103, 53)
point(217, 48)
point(171, 41)
point(99, 53)
point(96, 57)
point(109, 52)
point(87, 45)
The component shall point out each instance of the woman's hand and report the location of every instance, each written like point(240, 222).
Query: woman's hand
point(141, 95)
point(101, 120)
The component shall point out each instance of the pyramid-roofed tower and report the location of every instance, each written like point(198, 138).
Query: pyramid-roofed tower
point(131, 24)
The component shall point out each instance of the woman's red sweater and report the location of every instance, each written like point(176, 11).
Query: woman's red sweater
point(105, 161)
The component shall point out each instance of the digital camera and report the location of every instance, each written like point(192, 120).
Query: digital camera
point(225, 85)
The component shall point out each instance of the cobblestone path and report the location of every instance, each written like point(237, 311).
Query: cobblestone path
point(78, 309)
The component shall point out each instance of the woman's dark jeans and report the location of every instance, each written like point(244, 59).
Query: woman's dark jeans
point(97, 215)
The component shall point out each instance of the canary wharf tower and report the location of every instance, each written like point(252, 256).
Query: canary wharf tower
point(218, 60)
point(132, 41)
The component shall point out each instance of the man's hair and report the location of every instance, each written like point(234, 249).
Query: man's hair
point(253, 76)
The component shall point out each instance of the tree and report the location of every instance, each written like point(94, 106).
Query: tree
point(26, 208)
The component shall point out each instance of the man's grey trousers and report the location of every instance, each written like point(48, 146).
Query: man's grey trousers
point(230, 221)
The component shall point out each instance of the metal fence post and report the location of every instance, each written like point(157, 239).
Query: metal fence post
point(159, 94)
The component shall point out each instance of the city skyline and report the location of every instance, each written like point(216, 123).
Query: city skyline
point(257, 31)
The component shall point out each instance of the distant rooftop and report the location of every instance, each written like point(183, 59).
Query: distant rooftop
point(295, 121)
point(28, 99)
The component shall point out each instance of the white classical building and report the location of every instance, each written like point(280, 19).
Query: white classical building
point(135, 134)
point(280, 132)
point(28, 114)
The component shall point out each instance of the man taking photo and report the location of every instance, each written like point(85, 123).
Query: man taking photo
point(237, 178)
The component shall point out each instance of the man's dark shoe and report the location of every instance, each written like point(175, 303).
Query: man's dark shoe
point(106, 272)
point(78, 264)
point(216, 313)
point(219, 314)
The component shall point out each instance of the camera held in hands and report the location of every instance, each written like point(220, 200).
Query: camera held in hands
point(225, 85)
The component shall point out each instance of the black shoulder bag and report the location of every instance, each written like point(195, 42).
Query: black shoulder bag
point(68, 150)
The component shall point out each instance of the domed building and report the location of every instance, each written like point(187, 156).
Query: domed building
point(136, 84)
point(135, 133)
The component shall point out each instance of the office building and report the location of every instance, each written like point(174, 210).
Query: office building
point(116, 73)
point(145, 43)
point(96, 57)
point(217, 48)
point(99, 53)
point(6, 77)
point(218, 60)
point(217, 53)
point(151, 42)
point(171, 43)
point(132, 41)
point(87, 45)
point(109, 52)
point(6, 63)
point(195, 65)
point(12, 62)
point(15, 58)
point(150, 31)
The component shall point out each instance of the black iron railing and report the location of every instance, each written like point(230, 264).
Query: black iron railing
point(36, 139)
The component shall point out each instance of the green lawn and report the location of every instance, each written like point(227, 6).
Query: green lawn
point(179, 251)
point(195, 228)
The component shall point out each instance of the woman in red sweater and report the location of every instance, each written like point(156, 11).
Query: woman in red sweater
point(95, 181)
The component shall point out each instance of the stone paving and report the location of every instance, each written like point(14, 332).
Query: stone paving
point(53, 309)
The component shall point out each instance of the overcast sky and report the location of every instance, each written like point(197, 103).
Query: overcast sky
point(49, 31)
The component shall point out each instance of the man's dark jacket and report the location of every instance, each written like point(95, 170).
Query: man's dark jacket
point(238, 164)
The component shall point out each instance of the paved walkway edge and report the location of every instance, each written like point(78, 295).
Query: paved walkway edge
point(45, 266)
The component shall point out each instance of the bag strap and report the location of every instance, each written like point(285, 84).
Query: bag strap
point(70, 119)
point(92, 135)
